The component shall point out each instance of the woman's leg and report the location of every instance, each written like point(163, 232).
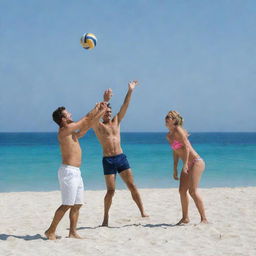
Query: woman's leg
point(183, 189)
point(194, 178)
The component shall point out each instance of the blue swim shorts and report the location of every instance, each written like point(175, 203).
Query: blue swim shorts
point(114, 164)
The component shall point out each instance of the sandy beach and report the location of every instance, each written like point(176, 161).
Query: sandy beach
point(24, 217)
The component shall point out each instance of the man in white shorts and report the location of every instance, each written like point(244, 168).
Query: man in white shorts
point(71, 183)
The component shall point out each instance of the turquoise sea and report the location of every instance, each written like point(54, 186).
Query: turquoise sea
point(29, 161)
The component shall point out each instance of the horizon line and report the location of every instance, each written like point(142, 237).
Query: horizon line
point(135, 131)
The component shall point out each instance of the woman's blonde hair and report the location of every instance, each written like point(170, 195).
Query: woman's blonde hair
point(179, 120)
point(176, 116)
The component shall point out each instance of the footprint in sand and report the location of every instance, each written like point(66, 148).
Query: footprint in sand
point(124, 220)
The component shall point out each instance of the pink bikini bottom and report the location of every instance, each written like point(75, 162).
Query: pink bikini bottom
point(190, 164)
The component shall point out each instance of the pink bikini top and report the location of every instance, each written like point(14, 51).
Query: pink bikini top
point(176, 145)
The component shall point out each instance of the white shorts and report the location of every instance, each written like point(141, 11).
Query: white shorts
point(71, 185)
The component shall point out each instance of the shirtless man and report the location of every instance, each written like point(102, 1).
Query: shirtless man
point(108, 133)
point(71, 183)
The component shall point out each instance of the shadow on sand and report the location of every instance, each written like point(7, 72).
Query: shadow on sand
point(38, 236)
point(164, 225)
point(26, 238)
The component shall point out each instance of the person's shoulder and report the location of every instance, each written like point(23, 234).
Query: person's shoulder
point(96, 125)
point(61, 136)
point(181, 132)
point(115, 118)
point(64, 131)
point(99, 127)
point(61, 131)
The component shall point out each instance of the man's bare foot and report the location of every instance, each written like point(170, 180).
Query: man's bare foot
point(75, 235)
point(104, 223)
point(204, 221)
point(144, 215)
point(50, 235)
point(183, 221)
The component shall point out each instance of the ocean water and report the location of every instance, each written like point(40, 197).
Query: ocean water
point(29, 161)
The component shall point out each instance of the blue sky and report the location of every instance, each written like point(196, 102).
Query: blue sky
point(197, 57)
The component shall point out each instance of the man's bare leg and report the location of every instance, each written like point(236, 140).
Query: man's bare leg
point(110, 183)
point(127, 177)
point(50, 232)
point(73, 216)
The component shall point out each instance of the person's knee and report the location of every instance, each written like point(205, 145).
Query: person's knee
point(183, 191)
point(192, 192)
point(131, 186)
point(64, 208)
point(110, 192)
point(76, 207)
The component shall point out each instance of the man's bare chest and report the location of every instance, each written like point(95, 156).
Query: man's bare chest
point(109, 130)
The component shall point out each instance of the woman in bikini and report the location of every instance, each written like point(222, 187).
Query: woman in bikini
point(193, 165)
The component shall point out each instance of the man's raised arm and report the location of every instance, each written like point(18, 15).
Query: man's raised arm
point(84, 124)
point(93, 116)
point(123, 109)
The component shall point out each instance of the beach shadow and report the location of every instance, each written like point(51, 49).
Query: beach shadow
point(81, 228)
point(128, 225)
point(164, 225)
point(159, 225)
point(26, 238)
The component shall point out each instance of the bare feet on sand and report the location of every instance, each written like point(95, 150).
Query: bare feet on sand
point(75, 235)
point(104, 223)
point(183, 221)
point(50, 235)
point(204, 221)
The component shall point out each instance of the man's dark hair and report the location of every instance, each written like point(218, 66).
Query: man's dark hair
point(57, 115)
point(109, 106)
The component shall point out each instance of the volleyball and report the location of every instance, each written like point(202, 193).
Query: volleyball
point(88, 41)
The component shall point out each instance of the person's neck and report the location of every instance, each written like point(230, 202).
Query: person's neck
point(106, 122)
point(172, 129)
point(65, 124)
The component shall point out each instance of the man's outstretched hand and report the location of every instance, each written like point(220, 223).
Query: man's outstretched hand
point(102, 106)
point(132, 84)
point(107, 95)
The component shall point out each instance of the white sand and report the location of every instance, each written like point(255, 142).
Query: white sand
point(232, 212)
